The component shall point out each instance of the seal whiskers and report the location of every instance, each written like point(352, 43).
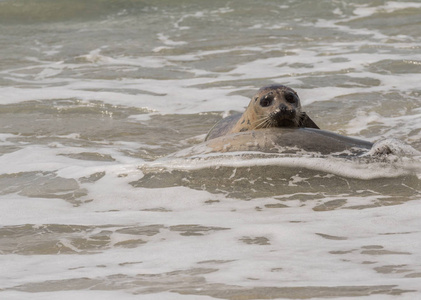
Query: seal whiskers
point(264, 122)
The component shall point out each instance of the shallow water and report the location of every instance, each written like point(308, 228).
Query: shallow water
point(94, 95)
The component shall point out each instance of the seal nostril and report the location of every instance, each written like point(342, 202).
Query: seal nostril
point(283, 108)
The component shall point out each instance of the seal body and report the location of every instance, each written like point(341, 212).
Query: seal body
point(289, 140)
point(280, 140)
point(271, 106)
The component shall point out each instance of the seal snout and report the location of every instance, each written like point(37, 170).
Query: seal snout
point(284, 116)
point(285, 111)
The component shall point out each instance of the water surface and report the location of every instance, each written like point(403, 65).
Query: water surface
point(93, 93)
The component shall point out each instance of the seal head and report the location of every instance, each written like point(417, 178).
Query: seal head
point(272, 106)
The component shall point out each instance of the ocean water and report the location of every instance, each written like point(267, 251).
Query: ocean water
point(97, 96)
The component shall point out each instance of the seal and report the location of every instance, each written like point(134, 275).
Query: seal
point(272, 106)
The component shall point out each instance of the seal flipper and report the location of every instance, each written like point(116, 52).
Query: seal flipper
point(305, 121)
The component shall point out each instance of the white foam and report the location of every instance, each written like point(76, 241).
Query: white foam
point(361, 121)
point(4, 139)
point(98, 294)
point(388, 7)
point(15, 209)
point(393, 146)
point(340, 167)
point(165, 39)
point(181, 96)
point(294, 245)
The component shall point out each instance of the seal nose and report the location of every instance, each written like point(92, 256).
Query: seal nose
point(286, 111)
point(283, 108)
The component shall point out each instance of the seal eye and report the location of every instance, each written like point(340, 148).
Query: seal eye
point(266, 101)
point(290, 98)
